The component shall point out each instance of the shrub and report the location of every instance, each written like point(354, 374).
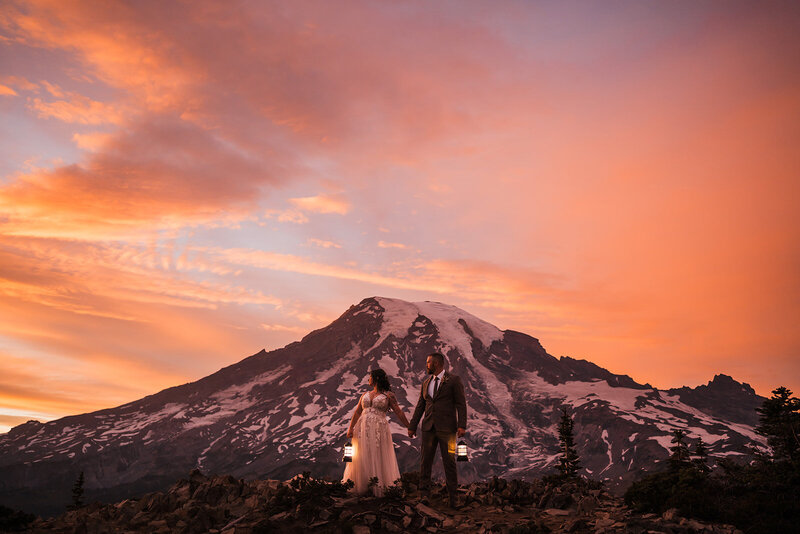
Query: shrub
point(14, 520)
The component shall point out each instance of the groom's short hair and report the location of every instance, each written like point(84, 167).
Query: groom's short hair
point(438, 358)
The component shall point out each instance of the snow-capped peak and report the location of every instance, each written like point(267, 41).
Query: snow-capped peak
point(400, 315)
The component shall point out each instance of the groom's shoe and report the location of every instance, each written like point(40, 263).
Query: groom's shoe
point(454, 504)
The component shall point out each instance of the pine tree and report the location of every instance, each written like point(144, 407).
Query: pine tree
point(568, 462)
point(680, 451)
point(779, 421)
point(77, 494)
point(700, 460)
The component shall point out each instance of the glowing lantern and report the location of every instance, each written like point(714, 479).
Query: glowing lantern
point(461, 452)
point(348, 452)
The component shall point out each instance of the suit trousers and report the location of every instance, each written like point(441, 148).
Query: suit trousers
point(446, 442)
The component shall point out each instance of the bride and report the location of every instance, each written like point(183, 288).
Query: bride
point(373, 450)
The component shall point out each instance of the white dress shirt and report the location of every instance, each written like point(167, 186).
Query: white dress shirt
point(433, 382)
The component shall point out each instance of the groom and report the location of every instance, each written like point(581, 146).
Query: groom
point(442, 402)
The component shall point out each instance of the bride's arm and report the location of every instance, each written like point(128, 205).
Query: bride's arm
point(397, 410)
point(356, 415)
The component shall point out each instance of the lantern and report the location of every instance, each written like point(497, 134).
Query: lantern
point(348, 452)
point(461, 452)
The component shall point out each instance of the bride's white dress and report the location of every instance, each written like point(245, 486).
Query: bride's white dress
point(373, 449)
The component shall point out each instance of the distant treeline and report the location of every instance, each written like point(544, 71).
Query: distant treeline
point(759, 497)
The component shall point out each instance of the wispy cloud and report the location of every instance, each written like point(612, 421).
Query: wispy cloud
point(388, 244)
point(77, 109)
point(284, 328)
point(93, 141)
point(322, 204)
point(290, 215)
point(20, 83)
point(323, 243)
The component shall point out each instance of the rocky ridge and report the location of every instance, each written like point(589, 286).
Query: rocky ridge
point(226, 505)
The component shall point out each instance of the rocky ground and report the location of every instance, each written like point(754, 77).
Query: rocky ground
point(226, 505)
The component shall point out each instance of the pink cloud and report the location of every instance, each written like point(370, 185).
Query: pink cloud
point(78, 109)
point(322, 204)
point(94, 141)
point(19, 82)
point(323, 243)
point(161, 173)
point(388, 244)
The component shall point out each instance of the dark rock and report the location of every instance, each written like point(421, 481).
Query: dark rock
point(575, 525)
point(560, 500)
point(587, 505)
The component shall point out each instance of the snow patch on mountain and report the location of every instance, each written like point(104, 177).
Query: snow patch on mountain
point(389, 364)
point(338, 367)
point(608, 450)
point(664, 441)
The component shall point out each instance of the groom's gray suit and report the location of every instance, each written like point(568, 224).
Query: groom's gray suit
point(443, 413)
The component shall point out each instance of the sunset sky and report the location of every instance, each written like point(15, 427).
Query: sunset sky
point(185, 183)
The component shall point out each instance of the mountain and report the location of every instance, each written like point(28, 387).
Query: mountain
point(279, 413)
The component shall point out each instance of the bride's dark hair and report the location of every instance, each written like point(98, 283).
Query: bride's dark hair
point(380, 379)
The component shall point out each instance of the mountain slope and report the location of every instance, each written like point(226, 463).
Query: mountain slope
point(278, 413)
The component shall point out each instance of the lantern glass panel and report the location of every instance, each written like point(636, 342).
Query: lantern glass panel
point(461, 452)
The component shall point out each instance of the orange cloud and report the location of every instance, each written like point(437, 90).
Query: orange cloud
point(160, 174)
point(92, 141)
point(284, 328)
point(78, 109)
point(7, 91)
point(322, 243)
point(481, 283)
point(20, 82)
point(56, 297)
point(322, 204)
point(115, 274)
point(128, 57)
point(292, 216)
point(387, 244)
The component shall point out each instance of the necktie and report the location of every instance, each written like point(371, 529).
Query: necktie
point(435, 386)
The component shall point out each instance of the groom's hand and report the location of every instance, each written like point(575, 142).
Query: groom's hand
point(461, 432)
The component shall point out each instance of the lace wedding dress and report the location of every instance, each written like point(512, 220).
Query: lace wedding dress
point(373, 449)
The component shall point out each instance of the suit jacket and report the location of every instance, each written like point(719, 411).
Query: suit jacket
point(446, 411)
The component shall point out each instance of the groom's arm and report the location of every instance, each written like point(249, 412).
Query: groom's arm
point(418, 411)
point(461, 403)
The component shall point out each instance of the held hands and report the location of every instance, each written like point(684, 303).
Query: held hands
point(460, 432)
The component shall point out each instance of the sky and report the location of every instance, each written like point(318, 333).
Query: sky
point(185, 183)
